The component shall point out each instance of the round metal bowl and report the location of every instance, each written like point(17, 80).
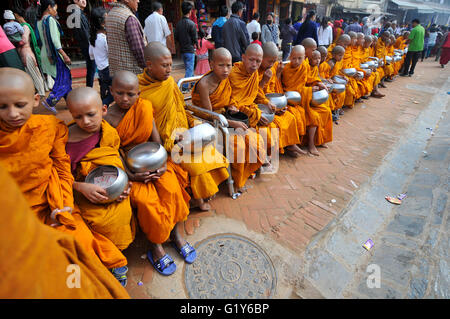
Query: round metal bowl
point(319, 97)
point(367, 71)
point(266, 112)
point(373, 58)
point(339, 79)
point(364, 65)
point(349, 72)
point(293, 97)
point(198, 136)
point(146, 157)
point(388, 59)
point(338, 88)
point(278, 99)
point(114, 181)
point(397, 58)
point(239, 116)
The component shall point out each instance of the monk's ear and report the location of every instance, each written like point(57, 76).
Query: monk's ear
point(104, 110)
point(37, 99)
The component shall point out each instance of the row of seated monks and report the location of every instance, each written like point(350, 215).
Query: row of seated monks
point(53, 219)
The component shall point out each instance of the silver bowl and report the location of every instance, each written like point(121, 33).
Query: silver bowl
point(146, 157)
point(338, 88)
point(339, 79)
point(293, 97)
point(319, 97)
point(364, 65)
point(374, 58)
point(266, 112)
point(367, 71)
point(349, 72)
point(114, 184)
point(397, 58)
point(198, 137)
point(278, 99)
point(388, 59)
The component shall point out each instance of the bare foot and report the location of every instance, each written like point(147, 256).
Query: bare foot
point(200, 204)
point(294, 151)
point(302, 151)
point(313, 150)
point(323, 146)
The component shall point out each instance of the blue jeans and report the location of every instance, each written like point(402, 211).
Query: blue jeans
point(189, 61)
point(105, 81)
point(90, 67)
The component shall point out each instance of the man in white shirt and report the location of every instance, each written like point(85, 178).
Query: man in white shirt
point(156, 27)
point(254, 25)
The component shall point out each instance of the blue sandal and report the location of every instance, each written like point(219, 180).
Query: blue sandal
point(187, 252)
point(165, 265)
point(121, 275)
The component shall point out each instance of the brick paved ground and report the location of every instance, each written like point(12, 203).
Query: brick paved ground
point(307, 193)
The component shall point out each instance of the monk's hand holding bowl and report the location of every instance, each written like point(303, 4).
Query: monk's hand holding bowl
point(266, 77)
point(125, 193)
point(281, 111)
point(315, 88)
point(272, 106)
point(237, 125)
point(233, 109)
point(94, 193)
point(322, 86)
point(280, 68)
point(263, 121)
point(157, 174)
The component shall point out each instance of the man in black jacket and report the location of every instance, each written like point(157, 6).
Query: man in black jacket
point(81, 34)
point(234, 33)
point(186, 35)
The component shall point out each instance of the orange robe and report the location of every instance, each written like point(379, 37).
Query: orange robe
point(381, 52)
point(113, 220)
point(36, 260)
point(248, 150)
point(162, 203)
point(321, 114)
point(246, 92)
point(366, 84)
point(206, 169)
point(326, 72)
point(36, 158)
point(296, 115)
point(295, 79)
point(375, 77)
point(351, 91)
point(380, 69)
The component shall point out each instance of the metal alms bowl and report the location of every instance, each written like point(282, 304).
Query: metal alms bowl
point(338, 88)
point(349, 72)
point(364, 65)
point(293, 97)
point(388, 59)
point(146, 157)
point(239, 116)
point(319, 97)
point(198, 137)
point(117, 187)
point(266, 112)
point(367, 71)
point(339, 79)
point(278, 99)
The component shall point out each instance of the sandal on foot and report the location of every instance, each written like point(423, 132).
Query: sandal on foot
point(49, 107)
point(187, 252)
point(165, 265)
point(120, 274)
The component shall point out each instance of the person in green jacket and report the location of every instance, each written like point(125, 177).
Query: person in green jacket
point(415, 47)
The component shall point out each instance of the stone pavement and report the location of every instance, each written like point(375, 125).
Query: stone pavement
point(285, 212)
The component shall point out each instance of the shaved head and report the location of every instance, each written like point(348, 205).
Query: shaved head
point(360, 35)
point(344, 40)
point(352, 34)
point(297, 55)
point(254, 48)
point(83, 95)
point(309, 43)
point(338, 50)
point(125, 77)
point(220, 53)
point(298, 49)
point(155, 50)
point(368, 38)
point(270, 49)
point(15, 78)
point(322, 49)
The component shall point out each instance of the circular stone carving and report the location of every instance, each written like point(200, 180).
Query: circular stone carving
point(230, 266)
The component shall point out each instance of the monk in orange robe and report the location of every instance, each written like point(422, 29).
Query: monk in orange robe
point(292, 126)
point(41, 262)
point(375, 77)
point(294, 78)
point(353, 62)
point(390, 50)
point(381, 53)
point(93, 142)
point(206, 169)
point(380, 69)
point(213, 92)
point(32, 149)
point(159, 196)
point(245, 83)
point(400, 43)
point(329, 69)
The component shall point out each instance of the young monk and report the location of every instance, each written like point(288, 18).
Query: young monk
point(93, 142)
point(401, 44)
point(374, 78)
point(32, 149)
point(294, 78)
point(351, 60)
point(161, 202)
point(213, 92)
point(390, 51)
point(380, 69)
point(327, 71)
point(381, 53)
point(344, 41)
point(158, 87)
point(292, 128)
point(29, 248)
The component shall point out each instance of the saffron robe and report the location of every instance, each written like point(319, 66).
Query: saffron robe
point(162, 203)
point(381, 52)
point(248, 153)
point(35, 156)
point(35, 259)
point(206, 169)
point(113, 220)
point(352, 92)
point(326, 72)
